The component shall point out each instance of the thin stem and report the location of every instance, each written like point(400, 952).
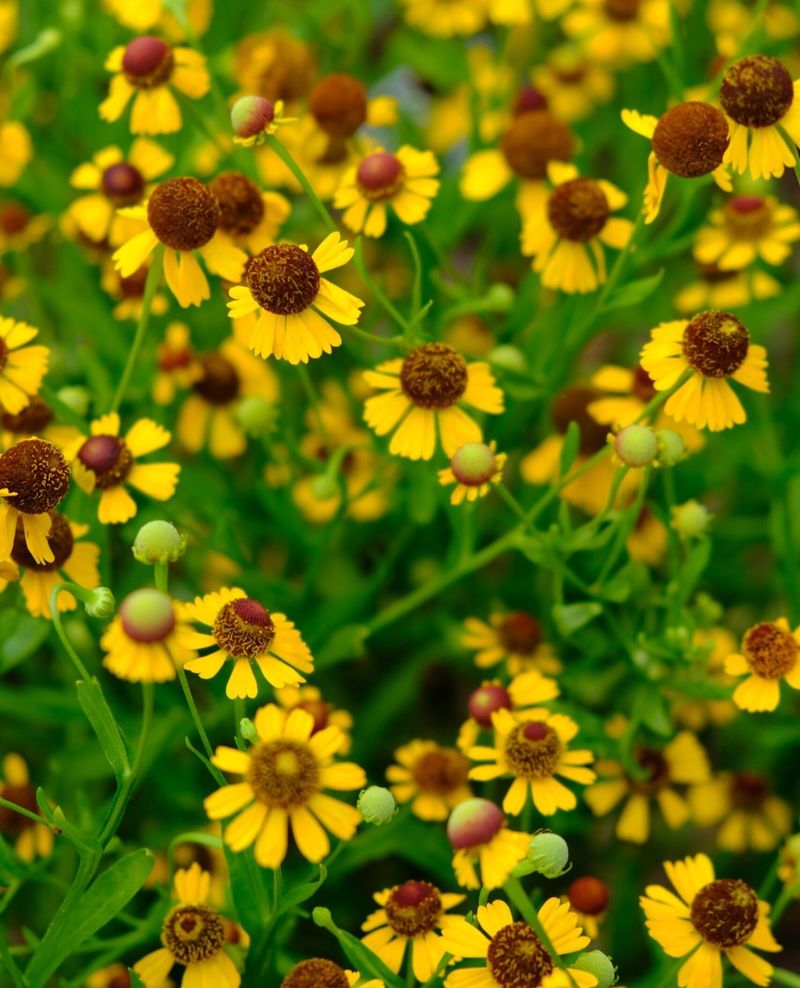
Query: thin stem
point(313, 398)
point(198, 723)
point(512, 502)
point(389, 307)
point(788, 893)
point(83, 672)
point(298, 173)
point(161, 575)
point(16, 808)
point(150, 286)
point(782, 977)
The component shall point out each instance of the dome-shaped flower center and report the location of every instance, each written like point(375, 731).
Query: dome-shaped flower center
point(244, 628)
point(283, 279)
point(517, 958)
point(520, 633)
point(132, 287)
point(339, 104)
point(642, 384)
point(725, 912)
point(441, 771)
point(690, 139)
point(770, 651)
point(474, 464)
point(749, 791)
point(12, 823)
point(529, 98)
point(715, 344)
point(122, 184)
point(283, 773)
point(533, 140)
point(318, 709)
point(37, 473)
point(147, 616)
point(380, 176)
point(14, 217)
point(655, 769)
point(33, 418)
point(572, 405)
point(240, 202)
point(622, 10)
point(588, 895)
point(172, 358)
point(316, 972)
point(220, 382)
point(748, 217)
point(109, 458)
point(578, 209)
point(413, 908)
point(485, 700)
point(434, 376)
point(193, 934)
point(474, 822)
point(756, 91)
point(533, 750)
point(147, 62)
point(183, 213)
point(59, 538)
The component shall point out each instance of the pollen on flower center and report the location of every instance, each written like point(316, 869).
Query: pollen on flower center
point(578, 209)
point(59, 538)
point(533, 140)
point(434, 376)
point(316, 972)
point(690, 139)
point(183, 213)
point(240, 203)
point(339, 104)
point(33, 418)
point(715, 344)
point(193, 934)
point(533, 750)
point(622, 10)
point(283, 279)
point(24, 795)
point(520, 633)
point(109, 458)
point(572, 405)
point(244, 628)
point(37, 473)
point(770, 651)
point(441, 771)
point(756, 91)
point(725, 912)
point(122, 184)
point(517, 958)
point(283, 773)
point(748, 217)
point(220, 382)
point(147, 62)
point(380, 176)
point(413, 908)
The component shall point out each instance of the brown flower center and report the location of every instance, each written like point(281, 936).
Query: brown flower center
point(318, 709)
point(756, 91)
point(244, 628)
point(316, 972)
point(339, 104)
point(656, 769)
point(533, 750)
point(283, 773)
point(517, 958)
point(528, 98)
point(770, 651)
point(749, 791)
point(283, 279)
point(183, 213)
point(690, 139)
point(193, 934)
point(588, 895)
point(441, 771)
point(533, 140)
point(578, 209)
point(38, 474)
point(334, 152)
point(14, 217)
point(713, 275)
point(33, 418)
point(123, 184)
point(11, 822)
point(748, 217)
point(434, 376)
point(413, 908)
point(715, 344)
point(642, 384)
point(220, 382)
point(520, 633)
point(174, 358)
point(240, 203)
point(485, 700)
point(725, 912)
point(622, 10)
point(572, 405)
point(186, 854)
point(59, 538)
point(108, 458)
point(133, 285)
point(380, 176)
point(148, 62)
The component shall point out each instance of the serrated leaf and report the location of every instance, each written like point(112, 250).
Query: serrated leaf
point(634, 292)
point(98, 712)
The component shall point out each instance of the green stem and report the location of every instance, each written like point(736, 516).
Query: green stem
point(788, 894)
point(781, 977)
point(382, 300)
point(161, 576)
point(299, 174)
point(313, 398)
point(512, 502)
point(198, 723)
point(150, 286)
point(16, 808)
point(8, 963)
point(83, 672)
point(516, 893)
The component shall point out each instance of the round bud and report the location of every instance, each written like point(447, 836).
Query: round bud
point(147, 615)
point(250, 115)
point(247, 729)
point(691, 519)
point(549, 854)
point(474, 464)
point(158, 542)
point(474, 822)
point(101, 604)
point(599, 964)
point(324, 487)
point(255, 415)
point(509, 358)
point(636, 445)
point(77, 398)
point(376, 805)
point(485, 700)
point(501, 296)
point(671, 447)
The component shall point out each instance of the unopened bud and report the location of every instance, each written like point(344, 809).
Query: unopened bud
point(508, 358)
point(158, 542)
point(101, 603)
point(600, 965)
point(377, 805)
point(251, 115)
point(691, 519)
point(671, 447)
point(256, 416)
point(76, 398)
point(147, 615)
point(474, 464)
point(549, 854)
point(247, 729)
point(474, 822)
point(636, 445)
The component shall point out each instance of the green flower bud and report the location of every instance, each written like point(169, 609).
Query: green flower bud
point(549, 854)
point(636, 445)
point(101, 604)
point(147, 615)
point(690, 520)
point(158, 542)
point(324, 487)
point(508, 358)
point(77, 398)
point(473, 464)
point(501, 296)
point(599, 964)
point(671, 447)
point(250, 115)
point(247, 729)
point(376, 805)
point(256, 416)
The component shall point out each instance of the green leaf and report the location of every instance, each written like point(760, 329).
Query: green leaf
point(363, 960)
point(20, 636)
point(649, 708)
point(302, 893)
point(135, 980)
point(569, 618)
point(247, 888)
point(344, 645)
point(634, 293)
point(98, 712)
point(569, 448)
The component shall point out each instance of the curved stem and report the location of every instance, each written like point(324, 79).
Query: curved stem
point(83, 672)
point(307, 187)
point(153, 279)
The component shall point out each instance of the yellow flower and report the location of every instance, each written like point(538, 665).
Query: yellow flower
point(30, 839)
point(762, 108)
point(178, 365)
point(481, 841)
point(725, 289)
point(729, 20)
point(19, 228)
point(22, 367)
point(682, 761)
point(620, 32)
point(208, 416)
point(9, 22)
point(285, 773)
point(108, 977)
point(446, 18)
point(16, 150)
point(572, 84)
point(144, 642)
point(244, 632)
point(423, 392)
point(711, 647)
point(534, 751)
point(35, 419)
point(410, 917)
point(310, 699)
point(750, 814)
point(185, 216)
point(507, 946)
point(769, 654)
point(107, 462)
point(403, 181)
point(128, 293)
point(689, 140)
point(146, 71)
point(320, 971)
point(714, 346)
point(251, 218)
point(648, 540)
point(708, 918)
point(565, 235)
point(283, 285)
point(432, 778)
point(525, 691)
point(789, 864)
point(513, 637)
point(746, 228)
point(474, 469)
point(193, 936)
point(114, 181)
point(141, 15)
